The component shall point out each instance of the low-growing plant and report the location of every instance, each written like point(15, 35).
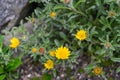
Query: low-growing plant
point(8, 64)
point(65, 29)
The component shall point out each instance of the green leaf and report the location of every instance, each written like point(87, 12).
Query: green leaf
point(98, 2)
point(115, 59)
point(6, 49)
point(57, 42)
point(80, 1)
point(46, 76)
point(59, 7)
point(1, 41)
point(100, 51)
point(2, 77)
point(1, 70)
point(89, 68)
point(54, 72)
point(107, 1)
point(13, 64)
point(118, 70)
point(35, 78)
point(1, 50)
point(62, 35)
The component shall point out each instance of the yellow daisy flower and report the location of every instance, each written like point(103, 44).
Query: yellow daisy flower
point(52, 53)
point(97, 70)
point(14, 42)
point(81, 35)
point(49, 64)
point(62, 53)
point(52, 14)
point(34, 50)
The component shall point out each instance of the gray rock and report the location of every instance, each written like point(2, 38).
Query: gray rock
point(29, 27)
point(11, 11)
point(7, 39)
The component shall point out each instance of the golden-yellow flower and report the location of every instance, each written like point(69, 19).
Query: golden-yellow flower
point(52, 53)
point(52, 14)
point(34, 50)
point(49, 64)
point(97, 70)
point(81, 35)
point(62, 53)
point(14, 42)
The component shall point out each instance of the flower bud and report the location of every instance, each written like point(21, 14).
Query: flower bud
point(66, 1)
point(41, 50)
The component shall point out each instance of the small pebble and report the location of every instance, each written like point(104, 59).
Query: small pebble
point(29, 75)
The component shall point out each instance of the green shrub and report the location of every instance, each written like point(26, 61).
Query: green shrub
point(89, 26)
point(8, 64)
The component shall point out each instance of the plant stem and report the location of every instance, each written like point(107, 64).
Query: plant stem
point(9, 76)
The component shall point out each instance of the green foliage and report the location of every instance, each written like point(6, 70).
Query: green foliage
point(118, 70)
point(2, 77)
point(5, 70)
point(46, 77)
point(35, 78)
point(56, 24)
point(13, 64)
point(89, 68)
point(115, 59)
point(8, 64)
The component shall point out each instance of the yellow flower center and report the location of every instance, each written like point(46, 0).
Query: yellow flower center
point(53, 14)
point(97, 70)
point(49, 64)
point(62, 53)
point(81, 35)
point(34, 50)
point(14, 42)
point(52, 53)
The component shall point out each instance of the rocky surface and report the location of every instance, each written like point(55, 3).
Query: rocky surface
point(31, 69)
point(11, 11)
